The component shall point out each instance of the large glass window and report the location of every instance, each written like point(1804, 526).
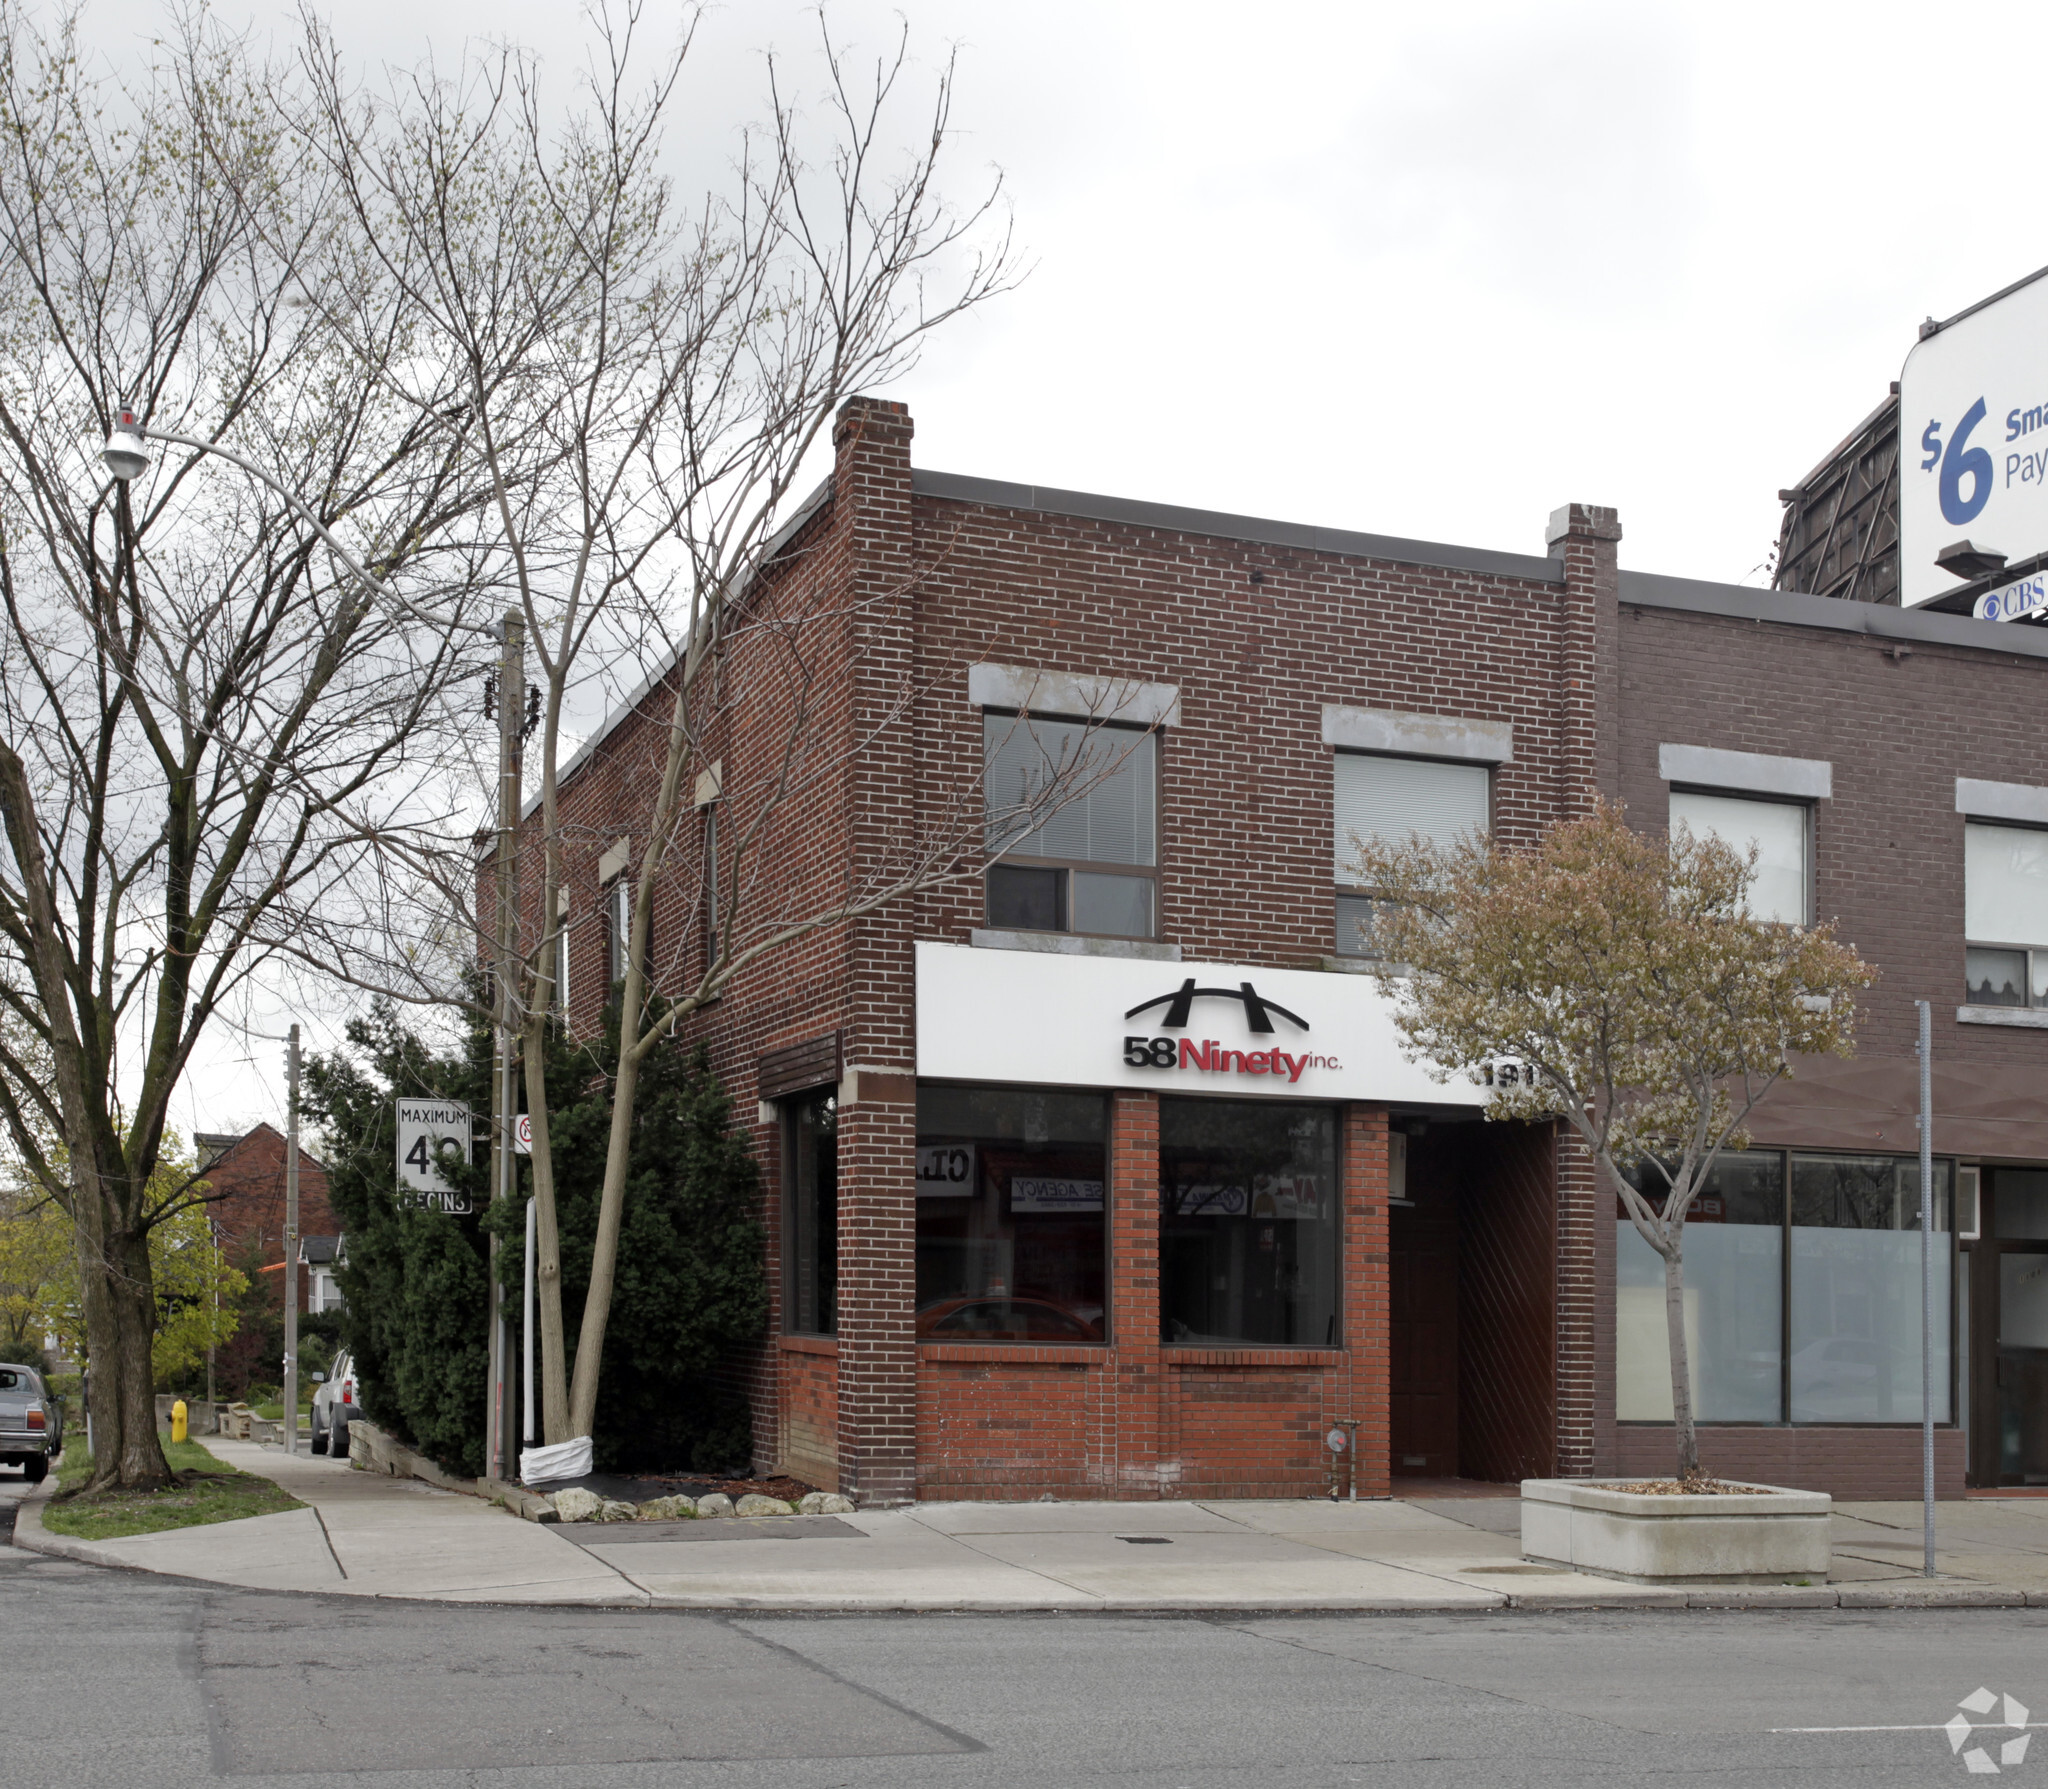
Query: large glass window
point(1802, 1283)
point(1734, 1274)
point(1390, 800)
point(1011, 1215)
point(2005, 915)
point(810, 1136)
point(1856, 1289)
point(1248, 1196)
point(1776, 829)
point(1075, 805)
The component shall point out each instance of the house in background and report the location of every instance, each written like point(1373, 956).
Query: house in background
point(323, 1257)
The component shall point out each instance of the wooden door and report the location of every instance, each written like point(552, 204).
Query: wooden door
point(1423, 1304)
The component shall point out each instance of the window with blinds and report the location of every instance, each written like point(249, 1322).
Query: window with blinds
point(1778, 831)
point(1390, 800)
point(1073, 809)
point(2005, 914)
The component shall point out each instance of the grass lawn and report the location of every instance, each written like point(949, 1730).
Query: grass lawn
point(207, 1490)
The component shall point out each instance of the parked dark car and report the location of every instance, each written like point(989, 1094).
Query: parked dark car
point(31, 1422)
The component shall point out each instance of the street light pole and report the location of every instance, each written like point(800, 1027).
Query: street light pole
point(126, 457)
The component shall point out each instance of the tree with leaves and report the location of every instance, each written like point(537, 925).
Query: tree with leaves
point(1615, 980)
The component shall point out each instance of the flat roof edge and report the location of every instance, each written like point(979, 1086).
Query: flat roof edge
point(954, 487)
point(1795, 609)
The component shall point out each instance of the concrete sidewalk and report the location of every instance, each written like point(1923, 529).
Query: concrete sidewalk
point(366, 1534)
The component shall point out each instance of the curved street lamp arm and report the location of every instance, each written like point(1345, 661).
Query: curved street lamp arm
point(299, 503)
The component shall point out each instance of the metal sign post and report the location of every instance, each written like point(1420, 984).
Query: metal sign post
point(1927, 1282)
point(291, 1248)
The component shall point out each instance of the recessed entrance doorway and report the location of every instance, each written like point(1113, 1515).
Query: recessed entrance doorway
point(2008, 1352)
point(1472, 1303)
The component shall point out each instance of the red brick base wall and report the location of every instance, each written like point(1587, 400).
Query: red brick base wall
point(810, 1411)
point(1851, 1463)
point(1137, 1420)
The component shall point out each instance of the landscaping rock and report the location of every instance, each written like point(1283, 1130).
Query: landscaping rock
point(754, 1504)
point(612, 1510)
point(717, 1504)
point(576, 1505)
point(826, 1503)
point(668, 1509)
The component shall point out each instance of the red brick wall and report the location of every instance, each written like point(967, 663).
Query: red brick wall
point(807, 1444)
point(1852, 1463)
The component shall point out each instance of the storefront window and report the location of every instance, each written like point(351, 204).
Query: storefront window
point(1801, 1275)
point(811, 1174)
point(1247, 1223)
point(1011, 1221)
point(1856, 1289)
point(1734, 1282)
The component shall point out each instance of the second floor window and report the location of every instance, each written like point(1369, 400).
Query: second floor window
point(618, 928)
point(2005, 914)
point(1077, 806)
point(1779, 830)
point(1390, 800)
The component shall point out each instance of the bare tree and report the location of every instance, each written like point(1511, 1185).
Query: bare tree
point(666, 370)
point(208, 723)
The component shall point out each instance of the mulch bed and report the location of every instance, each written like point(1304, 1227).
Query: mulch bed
point(1687, 1487)
point(644, 1489)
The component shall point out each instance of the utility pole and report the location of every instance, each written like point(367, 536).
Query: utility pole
point(500, 1459)
point(291, 1248)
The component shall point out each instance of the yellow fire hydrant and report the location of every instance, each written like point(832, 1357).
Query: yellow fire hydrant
point(178, 1419)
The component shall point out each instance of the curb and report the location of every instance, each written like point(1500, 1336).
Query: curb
point(32, 1536)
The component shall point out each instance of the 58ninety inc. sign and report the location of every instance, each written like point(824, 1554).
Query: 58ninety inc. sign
point(1032, 1018)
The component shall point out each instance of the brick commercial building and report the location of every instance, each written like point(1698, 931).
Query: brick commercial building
point(1100, 1173)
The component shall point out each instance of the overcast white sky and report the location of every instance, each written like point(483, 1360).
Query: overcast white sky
point(1425, 271)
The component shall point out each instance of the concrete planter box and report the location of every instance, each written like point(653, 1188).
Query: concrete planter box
point(1714, 1539)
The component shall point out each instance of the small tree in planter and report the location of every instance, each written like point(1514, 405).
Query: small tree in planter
point(1618, 982)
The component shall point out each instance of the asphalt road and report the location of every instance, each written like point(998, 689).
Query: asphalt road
point(114, 1678)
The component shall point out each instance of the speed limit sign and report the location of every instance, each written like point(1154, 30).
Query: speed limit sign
point(432, 1134)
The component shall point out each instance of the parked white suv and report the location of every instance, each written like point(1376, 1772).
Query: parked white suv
point(336, 1404)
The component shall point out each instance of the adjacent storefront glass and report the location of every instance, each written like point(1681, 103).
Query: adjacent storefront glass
point(1802, 1295)
point(1856, 1289)
point(1012, 1188)
point(1248, 1197)
point(1734, 1311)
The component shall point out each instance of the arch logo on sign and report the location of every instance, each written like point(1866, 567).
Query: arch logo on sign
point(1205, 1055)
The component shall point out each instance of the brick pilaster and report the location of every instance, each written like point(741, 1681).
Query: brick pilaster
point(877, 1376)
point(1363, 1290)
point(1141, 1464)
point(1585, 537)
point(1585, 1346)
point(871, 499)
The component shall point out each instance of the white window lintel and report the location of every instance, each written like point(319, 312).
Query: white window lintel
point(1747, 773)
point(1418, 735)
point(1074, 694)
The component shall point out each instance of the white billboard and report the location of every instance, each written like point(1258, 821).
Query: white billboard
point(1973, 440)
point(430, 1132)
